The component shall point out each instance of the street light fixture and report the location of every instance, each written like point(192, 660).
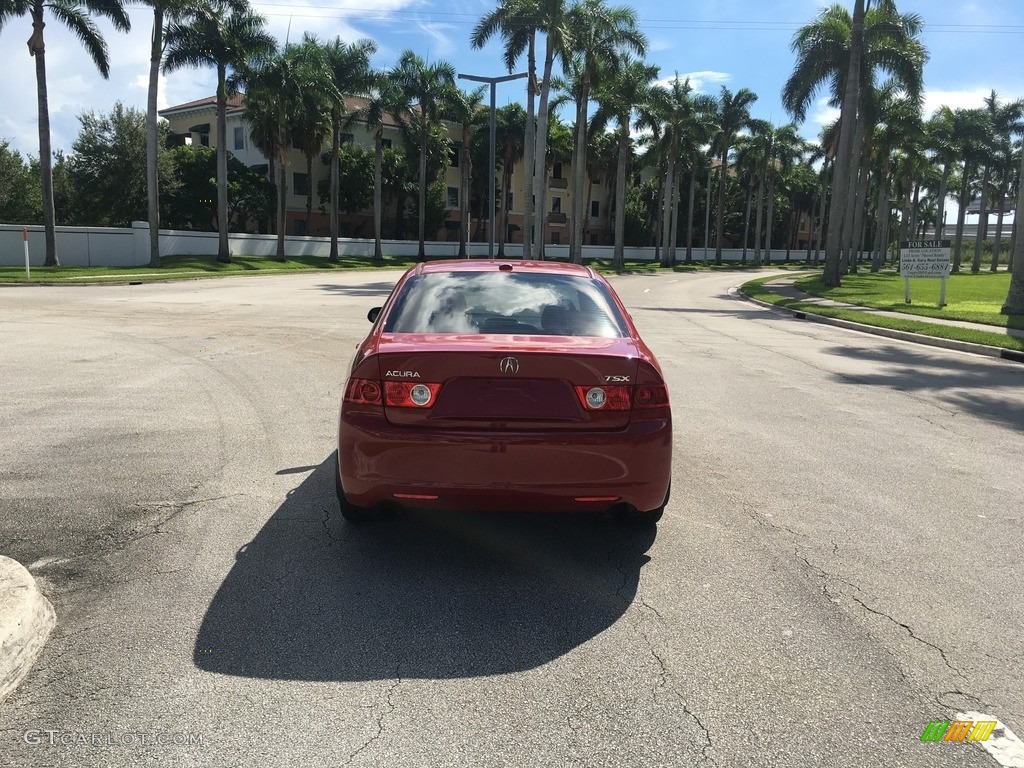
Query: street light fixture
point(493, 82)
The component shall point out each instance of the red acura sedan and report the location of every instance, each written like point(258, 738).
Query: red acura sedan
point(488, 385)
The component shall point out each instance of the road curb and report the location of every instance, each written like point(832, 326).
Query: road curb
point(915, 338)
point(26, 619)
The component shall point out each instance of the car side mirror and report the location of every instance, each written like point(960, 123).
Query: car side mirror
point(373, 314)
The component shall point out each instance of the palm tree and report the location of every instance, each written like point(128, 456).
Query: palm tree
point(845, 53)
point(466, 110)
point(426, 91)
point(597, 33)
point(625, 89)
point(518, 22)
point(75, 15)
point(784, 147)
point(229, 41)
point(278, 89)
point(348, 65)
point(509, 132)
point(1015, 295)
point(384, 102)
point(733, 116)
point(939, 139)
point(970, 133)
point(1004, 120)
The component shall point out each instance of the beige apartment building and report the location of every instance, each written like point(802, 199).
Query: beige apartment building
point(195, 123)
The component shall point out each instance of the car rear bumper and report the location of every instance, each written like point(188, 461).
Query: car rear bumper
point(530, 471)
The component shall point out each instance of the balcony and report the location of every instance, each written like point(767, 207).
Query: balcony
point(558, 183)
point(556, 218)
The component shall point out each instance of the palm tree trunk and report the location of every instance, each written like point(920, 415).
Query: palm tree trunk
point(881, 218)
point(673, 236)
point(959, 240)
point(720, 215)
point(37, 48)
point(618, 252)
point(540, 160)
point(659, 217)
point(336, 184)
point(666, 211)
point(746, 223)
point(1015, 296)
point(309, 194)
point(849, 231)
point(223, 253)
point(272, 173)
point(464, 220)
point(844, 157)
point(422, 252)
point(579, 172)
point(861, 196)
point(997, 245)
point(940, 217)
point(152, 173)
point(506, 190)
point(982, 221)
point(769, 225)
point(378, 194)
point(914, 210)
point(689, 216)
point(757, 220)
point(529, 146)
point(282, 201)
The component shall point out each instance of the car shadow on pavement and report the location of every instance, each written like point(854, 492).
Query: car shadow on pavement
point(969, 384)
point(382, 288)
point(422, 595)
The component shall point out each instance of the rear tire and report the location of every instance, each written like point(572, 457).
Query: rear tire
point(651, 516)
point(353, 514)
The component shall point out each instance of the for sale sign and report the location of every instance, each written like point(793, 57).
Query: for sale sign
point(924, 258)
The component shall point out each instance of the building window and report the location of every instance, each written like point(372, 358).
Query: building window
point(509, 206)
point(239, 138)
point(556, 238)
point(595, 209)
point(556, 205)
point(556, 172)
point(453, 197)
point(300, 183)
point(453, 154)
point(301, 227)
point(385, 143)
point(347, 138)
point(595, 240)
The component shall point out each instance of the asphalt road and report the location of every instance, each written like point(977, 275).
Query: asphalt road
point(840, 563)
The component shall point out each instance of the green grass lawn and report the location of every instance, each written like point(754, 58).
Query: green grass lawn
point(757, 290)
point(184, 267)
point(974, 298)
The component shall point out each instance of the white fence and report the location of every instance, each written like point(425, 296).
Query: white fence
point(111, 247)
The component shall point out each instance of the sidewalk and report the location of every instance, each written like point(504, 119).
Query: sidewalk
point(784, 286)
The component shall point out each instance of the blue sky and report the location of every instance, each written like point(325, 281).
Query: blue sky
point(974, 47)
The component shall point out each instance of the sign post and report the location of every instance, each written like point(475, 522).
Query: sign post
point(24, 237)
point(925, 258)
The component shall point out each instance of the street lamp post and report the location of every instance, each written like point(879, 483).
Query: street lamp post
point(493, 82)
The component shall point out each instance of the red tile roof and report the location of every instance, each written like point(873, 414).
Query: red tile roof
point(236, 102)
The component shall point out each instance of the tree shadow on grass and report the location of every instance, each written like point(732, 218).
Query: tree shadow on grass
point(440, 595)
point(990, 390)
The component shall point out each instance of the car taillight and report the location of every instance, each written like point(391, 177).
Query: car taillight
point(650, 396)
point(365, 391)
point(604, 398)
point(410, 394)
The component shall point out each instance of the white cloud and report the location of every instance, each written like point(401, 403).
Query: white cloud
point(966, 99)
point(822, 114)
point(704, 81)
point(142, 81)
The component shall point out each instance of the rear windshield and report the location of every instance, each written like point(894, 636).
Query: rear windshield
point(505, 302)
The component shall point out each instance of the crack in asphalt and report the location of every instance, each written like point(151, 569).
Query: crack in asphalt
point(912, 634)
point(381, 716)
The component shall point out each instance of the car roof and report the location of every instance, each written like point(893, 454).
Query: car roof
point(494, 265)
